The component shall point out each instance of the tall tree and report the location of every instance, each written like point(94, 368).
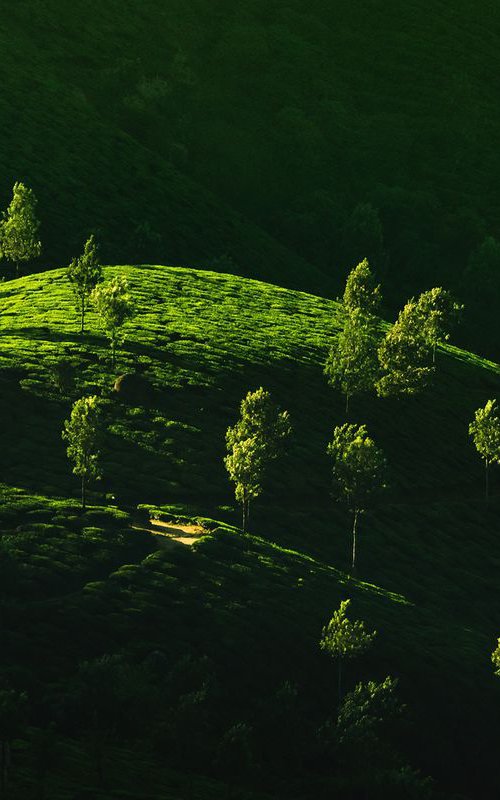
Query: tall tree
point(114, 306)
point(19, 240)
point(84, 273)
point(352, 364)
point(344, 640)
point(82, 432)
point(405, 355)
point(485, 433)
point(252, 443)
point(439, 311)
point(359, 469)
point(361, 292)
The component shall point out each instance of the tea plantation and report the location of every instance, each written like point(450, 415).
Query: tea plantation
point(234, 618)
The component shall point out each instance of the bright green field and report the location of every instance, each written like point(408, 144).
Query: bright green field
point(428, 556)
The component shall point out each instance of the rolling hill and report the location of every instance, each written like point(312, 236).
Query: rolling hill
point(253, 606)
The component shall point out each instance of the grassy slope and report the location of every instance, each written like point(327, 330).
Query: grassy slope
point(428, 557)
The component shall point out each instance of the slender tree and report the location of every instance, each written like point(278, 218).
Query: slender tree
point(252, 443)
point(84, 273)
point(352, 363)
point(344, 640)
point(359, 468)
point(19, 227)
point(114, 306)
point(82, 432)
point(361, 292)
point(485, 433)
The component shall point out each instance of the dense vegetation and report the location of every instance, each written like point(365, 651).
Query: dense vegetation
point(245, 611)
point(284, 141)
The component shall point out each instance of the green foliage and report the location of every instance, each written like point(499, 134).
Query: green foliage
point(84, 273)
point(365, 710)
point(345, 639)
point(254, 441)
point(19, 227)
point(485, 433)
point(82, 432)
point(361, 293)
point(405, 352)
point(352, 362)
point(439, 311)
point(404, 355)
point(359, 466)
point(495, 657)
point(114, 306)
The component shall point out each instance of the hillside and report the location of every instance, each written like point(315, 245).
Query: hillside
point(297, 141)
point(255, 605)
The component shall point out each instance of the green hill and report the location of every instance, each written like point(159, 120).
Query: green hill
point(253, 606)
point(283, 136)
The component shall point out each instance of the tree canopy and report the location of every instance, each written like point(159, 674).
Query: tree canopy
point(19, 227)
point(252, 443)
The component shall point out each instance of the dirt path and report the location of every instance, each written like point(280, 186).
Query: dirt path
point(170, 533)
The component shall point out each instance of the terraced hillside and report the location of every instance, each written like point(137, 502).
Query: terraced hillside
point(428, 558)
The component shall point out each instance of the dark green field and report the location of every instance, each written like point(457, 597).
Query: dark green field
point(253, 605)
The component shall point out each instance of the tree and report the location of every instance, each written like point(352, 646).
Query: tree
point(352, 363)
point(361, 293)
point(495, 657)
point(485, 432)
point(438, 311)
point(84, 273)
point(114, 307)
point(344, 640)
point(252, 443)
point(359, 468)
point(19, 227)
point(362, 717)
point(404, 355)
point(82, 432)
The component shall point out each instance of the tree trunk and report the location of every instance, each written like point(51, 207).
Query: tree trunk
point(486, 480)
point(346, 402)
point(245, 506)
point(83, 493)
point(434, 354)
point(354, 530)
